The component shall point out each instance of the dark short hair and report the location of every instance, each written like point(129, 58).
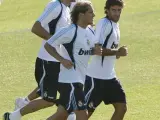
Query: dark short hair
point(110, 3)
point(80, 7)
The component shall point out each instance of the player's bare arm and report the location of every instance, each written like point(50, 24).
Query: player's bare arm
point(122, 51)
point(52, 51)
point(40, 31)
point(97, 50)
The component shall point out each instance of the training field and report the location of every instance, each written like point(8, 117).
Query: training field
point(139, 72)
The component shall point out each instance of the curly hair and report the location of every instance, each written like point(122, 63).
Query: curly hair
point(80, 7)
point(110, 3)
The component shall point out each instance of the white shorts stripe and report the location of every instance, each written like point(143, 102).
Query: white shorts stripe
point(42, 79)
point(71, 94)
point(74, 103)
point(89, 92)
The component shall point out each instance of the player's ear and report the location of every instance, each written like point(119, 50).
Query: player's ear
point(81, 15)
point(107, 11)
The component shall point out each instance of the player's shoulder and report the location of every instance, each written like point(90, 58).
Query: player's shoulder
point(69, 29)
point(104, 22)
point(53, 4)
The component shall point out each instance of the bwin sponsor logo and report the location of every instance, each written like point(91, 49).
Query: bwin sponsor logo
point(85, 52)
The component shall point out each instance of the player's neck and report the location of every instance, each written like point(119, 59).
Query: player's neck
point(82, 24)
point(109, 18)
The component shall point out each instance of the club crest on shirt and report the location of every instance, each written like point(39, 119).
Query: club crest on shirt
point(45, 94)
point(91, 105)
point(88, 42)
point(80, 104)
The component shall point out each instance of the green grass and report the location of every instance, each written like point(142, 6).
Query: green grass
point(139, 72)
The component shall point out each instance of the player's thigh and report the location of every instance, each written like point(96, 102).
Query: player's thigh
point(49, 81)
point(66, 91)
point(39, 71)
point(114, 92)
point(72, 96)
point(51, 78)
point(93, 93)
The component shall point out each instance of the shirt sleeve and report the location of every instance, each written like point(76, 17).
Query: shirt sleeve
point(51, 12)
point(62, 36)
point(103, 28)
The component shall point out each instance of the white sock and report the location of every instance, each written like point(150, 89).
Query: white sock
point(72, 116)
point(27, 99)
point(16, 115)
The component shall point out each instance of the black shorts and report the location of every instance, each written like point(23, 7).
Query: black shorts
point(108, 91)
point(72, 96)
point(46, 74)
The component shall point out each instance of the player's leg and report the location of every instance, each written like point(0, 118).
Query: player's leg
point(33, 95)
point(120, 110)
point(78, 102)
point(71, 100)
point(33, 106)
point(64, 100)
point(61, 114)
point(93, 94)
point(21, 102)
point(48, 88)
point(81, 115)
point(39, 72)
point(116, 97)
point(47, 82)
point(71, 116)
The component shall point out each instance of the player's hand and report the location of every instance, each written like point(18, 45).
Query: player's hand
point(67, 63)
point(122, 51)
point(97, 50)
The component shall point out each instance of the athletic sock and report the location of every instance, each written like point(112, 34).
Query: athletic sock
point(16, 115)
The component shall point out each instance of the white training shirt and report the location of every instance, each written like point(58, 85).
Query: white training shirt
point(95, 67)
point(72, 5)
point(51, 12)
point(81, 52)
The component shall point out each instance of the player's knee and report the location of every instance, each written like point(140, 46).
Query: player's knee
point(61, 112)
point(122, 108)
point(89, 114)
point(61, 115)
point(58, 116)
point(81, 114)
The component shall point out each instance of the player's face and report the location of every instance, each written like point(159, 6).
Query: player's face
point(114, 13)
point(89, 15)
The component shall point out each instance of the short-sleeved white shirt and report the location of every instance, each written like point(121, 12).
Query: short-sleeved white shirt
point(106, 70)
point(81, 52)
point(51, 12)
